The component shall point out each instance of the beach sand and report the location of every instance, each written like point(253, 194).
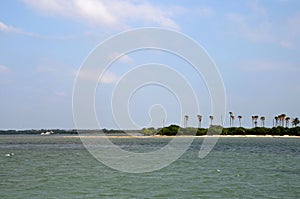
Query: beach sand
point(180, 136)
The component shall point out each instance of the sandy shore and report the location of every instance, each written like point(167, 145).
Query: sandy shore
point(141, 136)
point(181, 136)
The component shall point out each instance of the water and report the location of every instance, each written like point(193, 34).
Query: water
point(59, 167)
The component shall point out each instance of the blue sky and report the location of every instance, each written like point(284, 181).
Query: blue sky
point(255, 45)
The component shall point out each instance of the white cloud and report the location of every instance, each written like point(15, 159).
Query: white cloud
point(4, 77)
point(46, 69)
point(60, 93)
point(256, 30)
point(293, 24)
point(260, 27)
point(121, 57)
point(7, 28)
point(106, 78)
point(109, 13)
point(55, 70)
point(286, 44)
point(4, 69)
point(267, 66)
point(291, 34)
point(11, 29)
point(204, 11)
point(109, 77)
point(257, 8)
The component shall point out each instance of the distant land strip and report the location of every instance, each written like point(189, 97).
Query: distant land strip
point(171, 130)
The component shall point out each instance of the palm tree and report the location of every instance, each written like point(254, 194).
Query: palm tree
point(263, 118)
point(240, 120)
point(252, 120)
point(199, 119)
point(255, 120)
point(230, 119)
point(287, 121)
point(186, 118)
point(295, 121)
point(211, 119)
point(281, 119)
point(276, 120)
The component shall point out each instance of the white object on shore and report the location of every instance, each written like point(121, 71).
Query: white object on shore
point(47, 133)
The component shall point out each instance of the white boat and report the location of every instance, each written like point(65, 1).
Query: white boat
point(47, 133)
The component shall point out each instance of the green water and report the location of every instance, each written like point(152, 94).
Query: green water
point(57, 167)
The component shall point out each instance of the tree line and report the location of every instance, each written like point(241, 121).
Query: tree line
point(177, 130)
point(280, 120)
point(281, 126)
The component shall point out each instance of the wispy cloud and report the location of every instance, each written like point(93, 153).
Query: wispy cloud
point(7, 28)
point(267, 66)
point(11, 29)
point(15, 30)
point(204, 11)
point(5, 75)
point(46, 69)
point(90, 75)
point(107, 77)
point(115, 14)
point(55, 70)
point(120, 57)
point(258, 26)
point(253, 29)
point(60, 93)
point(4, 69)
point(291, 29)
point(257, 9)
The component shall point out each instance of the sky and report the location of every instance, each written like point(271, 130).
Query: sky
point(254, 44)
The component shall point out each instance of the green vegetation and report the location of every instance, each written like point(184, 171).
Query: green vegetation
point(149, 131)
point(281, 124)
point(176, 130)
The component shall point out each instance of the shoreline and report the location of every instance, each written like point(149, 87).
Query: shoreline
point(146, 137)
point(182, 136)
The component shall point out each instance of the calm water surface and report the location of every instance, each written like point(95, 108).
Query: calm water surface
point(59, 167)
